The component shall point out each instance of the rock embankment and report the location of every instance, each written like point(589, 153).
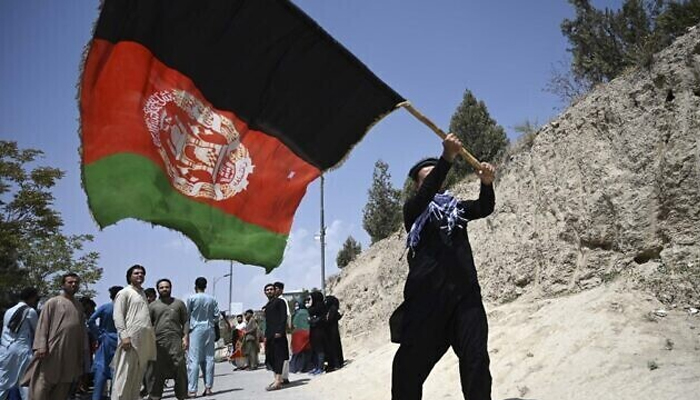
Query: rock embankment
point(609, 189)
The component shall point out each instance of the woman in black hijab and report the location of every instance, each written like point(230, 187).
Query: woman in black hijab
point(335, 348)
point(319, 325)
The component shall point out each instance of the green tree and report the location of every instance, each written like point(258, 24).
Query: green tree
point(479, 133)
point(33, 251)
point(606, 42)
point(46, 259)
point(382, 213)
point(676, 18)
point(351, 249)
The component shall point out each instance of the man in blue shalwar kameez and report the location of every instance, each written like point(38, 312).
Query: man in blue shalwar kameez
point(19, 325)
point(204, 315)
point(106, 336)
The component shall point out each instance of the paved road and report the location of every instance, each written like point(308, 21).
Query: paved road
point(250, 385)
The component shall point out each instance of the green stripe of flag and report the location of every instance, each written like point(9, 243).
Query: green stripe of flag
point(127, 185)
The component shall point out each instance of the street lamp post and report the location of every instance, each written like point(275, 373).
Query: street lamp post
point(216, 280)
point(323, 244)
point(230, 286)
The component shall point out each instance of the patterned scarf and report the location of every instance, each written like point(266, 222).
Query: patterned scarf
point(443, 212)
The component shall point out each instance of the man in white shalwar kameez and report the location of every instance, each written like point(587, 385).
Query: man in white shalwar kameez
point(137, 341)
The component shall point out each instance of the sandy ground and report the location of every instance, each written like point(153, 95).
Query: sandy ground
point(605, 343)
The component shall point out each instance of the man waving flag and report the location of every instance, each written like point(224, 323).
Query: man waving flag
point(211, 117)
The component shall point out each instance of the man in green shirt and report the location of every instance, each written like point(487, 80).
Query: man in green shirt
point(171, 324)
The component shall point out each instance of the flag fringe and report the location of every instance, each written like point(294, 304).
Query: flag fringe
point(78, 92)
point(369, 127)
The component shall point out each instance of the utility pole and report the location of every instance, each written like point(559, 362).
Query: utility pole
point(230, 286)
point(323, 244)
point(216, 280)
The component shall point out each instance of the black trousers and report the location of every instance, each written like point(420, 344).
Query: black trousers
point(434, 326)
point(276, 353)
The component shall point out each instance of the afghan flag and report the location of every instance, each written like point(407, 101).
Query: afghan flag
point(211, 117)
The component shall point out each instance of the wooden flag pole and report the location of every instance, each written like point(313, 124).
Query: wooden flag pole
point(422, 118)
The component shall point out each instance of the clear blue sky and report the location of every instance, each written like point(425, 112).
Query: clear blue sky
point(430, 52)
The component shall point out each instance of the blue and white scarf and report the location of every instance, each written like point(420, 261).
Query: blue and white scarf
point(442, 211)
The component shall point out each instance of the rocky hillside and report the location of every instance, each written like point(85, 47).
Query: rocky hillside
point(608, 190)
point(590, 264)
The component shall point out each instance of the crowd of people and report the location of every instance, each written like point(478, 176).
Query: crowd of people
point(139, 345)
point(144, 337)
point(298, 339)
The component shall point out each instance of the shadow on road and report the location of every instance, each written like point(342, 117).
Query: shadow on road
point(517, 398)
point(219, 392)
point(295, 383)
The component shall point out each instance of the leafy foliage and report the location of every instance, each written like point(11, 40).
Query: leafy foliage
point(382, 213)
point(351, 249)
point(479, 133)
point(604, 43)
point(44, 261)
point(33, 250)
point(677, 17)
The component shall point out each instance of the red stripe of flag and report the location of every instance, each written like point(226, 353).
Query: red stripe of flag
point(117, 84)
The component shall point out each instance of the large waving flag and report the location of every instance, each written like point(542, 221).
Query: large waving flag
point(211, 117)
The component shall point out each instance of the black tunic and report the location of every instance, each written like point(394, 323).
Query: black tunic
point(276, 348)
point(441, 267)
point(335, 347)
point(275, 318)
point(318, 322)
